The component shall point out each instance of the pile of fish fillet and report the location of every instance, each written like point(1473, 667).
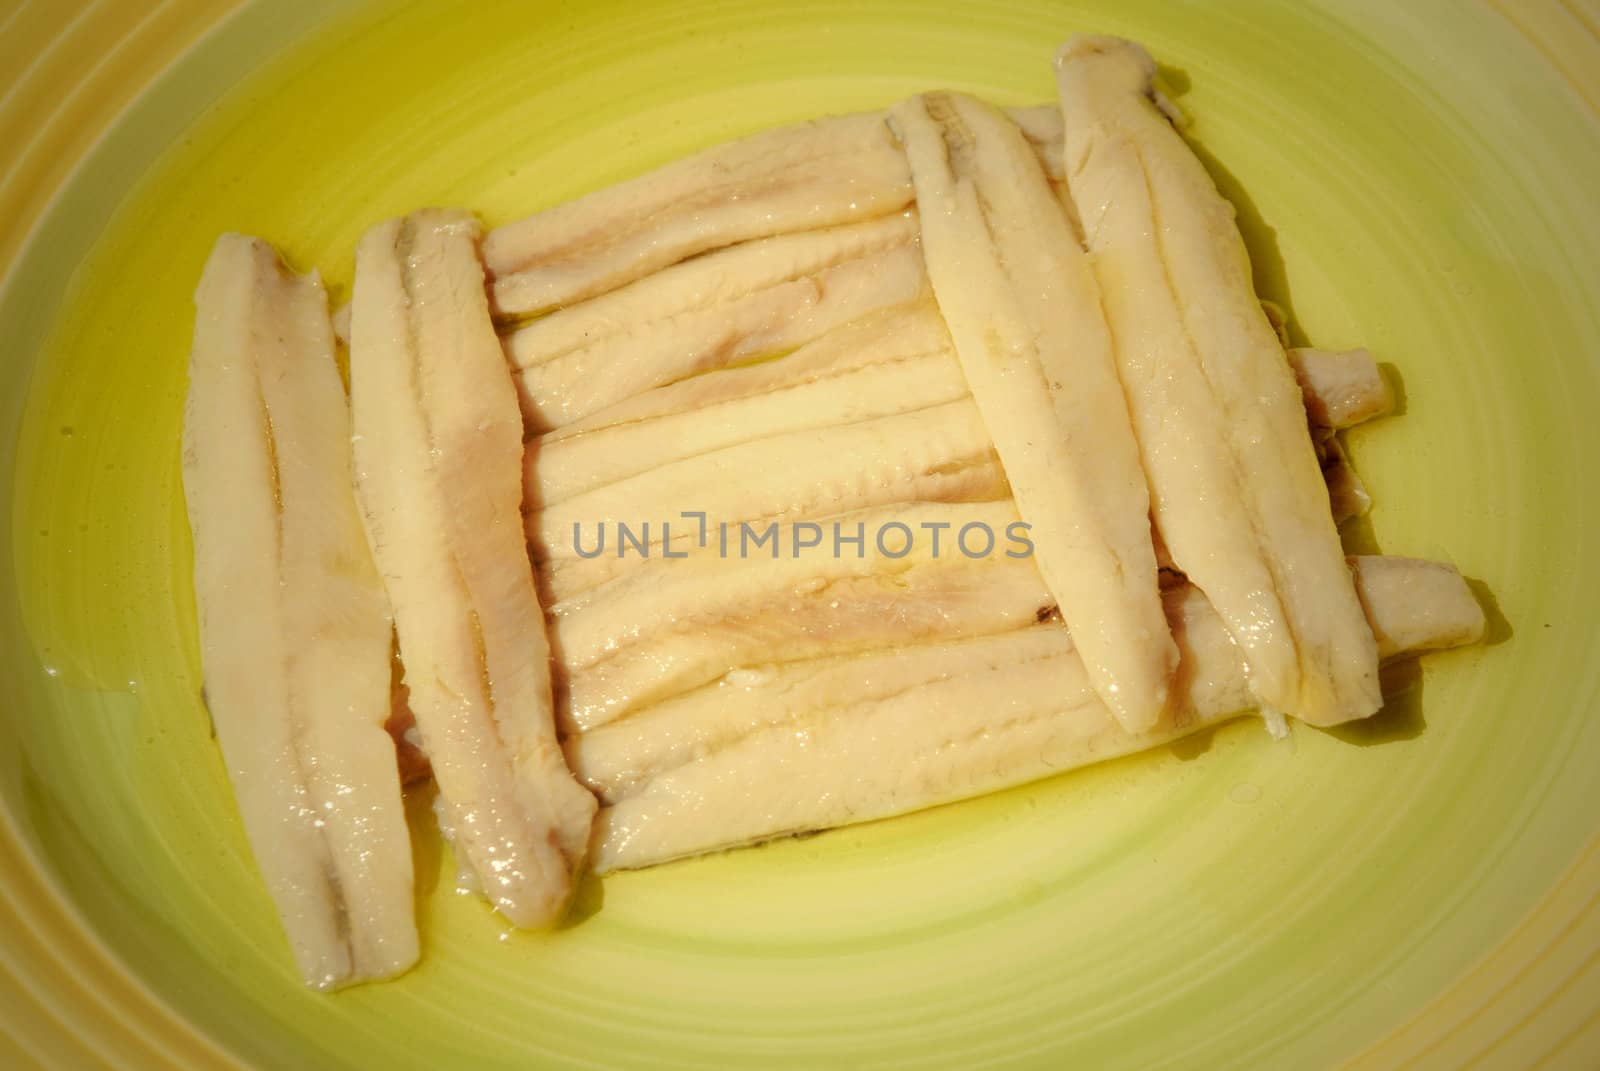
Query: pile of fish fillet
point(940, 315)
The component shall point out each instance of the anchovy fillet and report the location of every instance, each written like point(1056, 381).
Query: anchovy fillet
point(887, 363)
point(674, 625)
point(814, 174)
point(1024, 309)
point(940, 453)
point(958, 720)
point(438, 473)
point(1238, 496)
point(295, 631)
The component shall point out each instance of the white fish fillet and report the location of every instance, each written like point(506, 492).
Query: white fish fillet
point(630, 318)
point(888, 363)
point(744, 302)
point(814, 174)
point(886, 334)
point(1009, 710)
point(675, 625)
point(619, 758)
point(1238, 497)
point(295, 630)
point(822, 173)
point(1415, 605)
point(1024, 310)
point(438, 473)
point(940, 453)
point(1341, 388)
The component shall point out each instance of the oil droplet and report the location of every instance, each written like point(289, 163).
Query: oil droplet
point(1245, 794)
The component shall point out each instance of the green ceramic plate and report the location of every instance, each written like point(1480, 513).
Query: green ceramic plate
point(1416, 177)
